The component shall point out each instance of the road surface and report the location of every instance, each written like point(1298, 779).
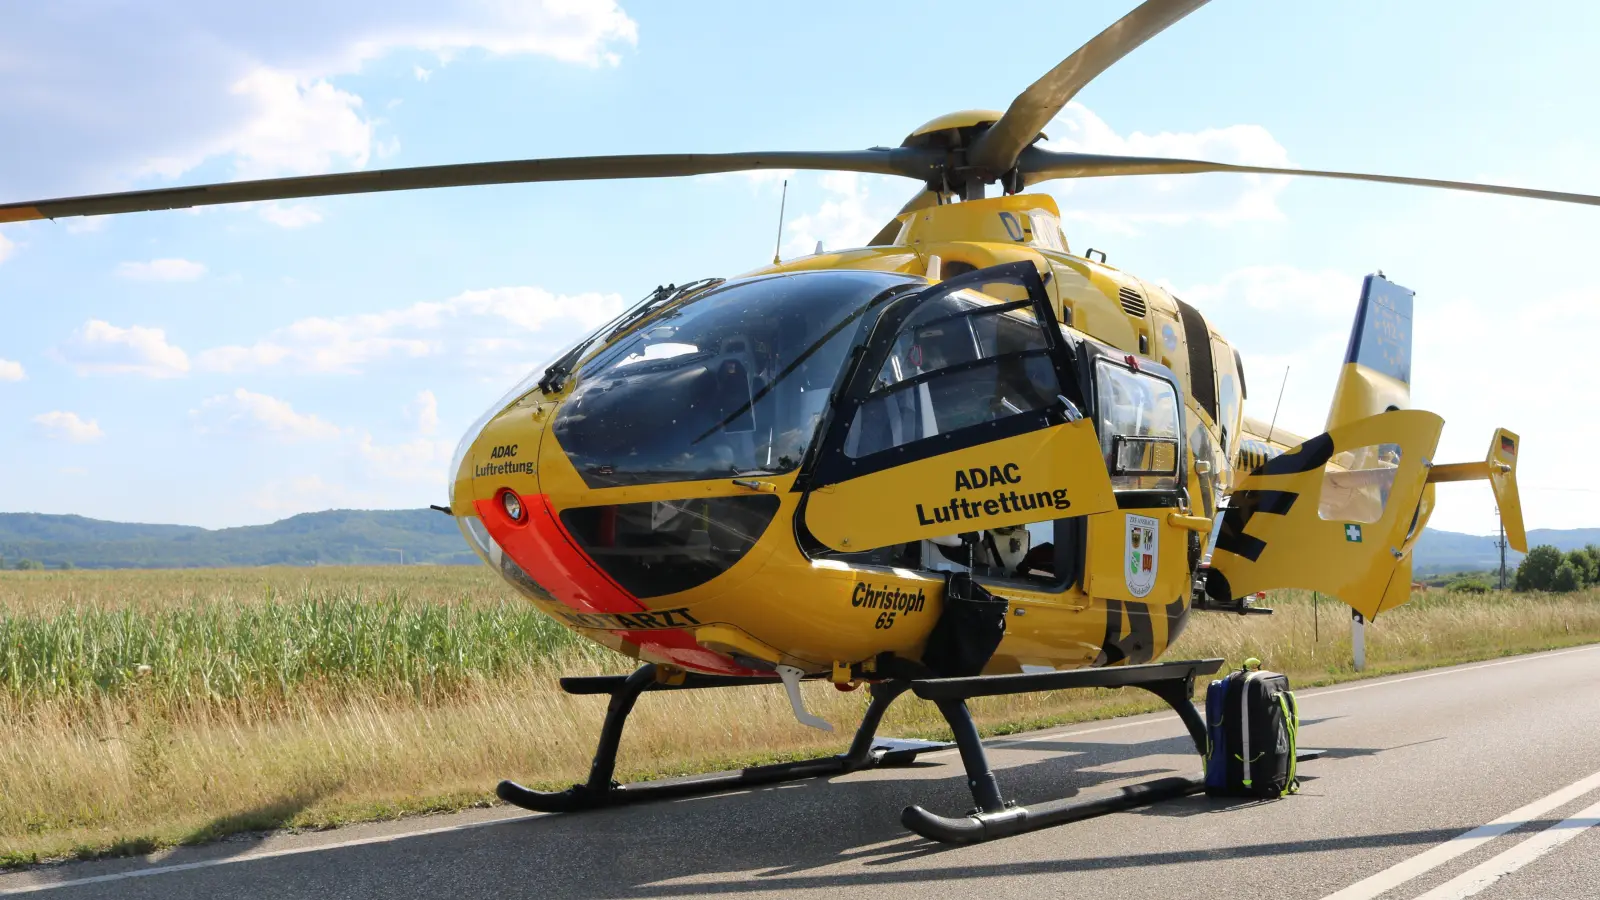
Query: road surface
point(1479, 780)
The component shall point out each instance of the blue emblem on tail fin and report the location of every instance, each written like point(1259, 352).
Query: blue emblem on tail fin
point(1381, 337)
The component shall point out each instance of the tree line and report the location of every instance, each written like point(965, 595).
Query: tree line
point(1547, 569)
point(25, 565)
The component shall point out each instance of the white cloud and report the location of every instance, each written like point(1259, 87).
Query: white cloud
point(426, 411)
point(295, 126)
point(1123, 204)
point(421, 73)
point(244, 412)
point(67, 426)
point(6, 247)
point(421, 459)
point(538, 322)
point(100, 348)
point(849, 216)
point(11, 371)
point(1325, 294)
point(310, 493)
point(116, 94)
point(1281, 318)
point(406, 473)
point(295, 216)
point(161, 270)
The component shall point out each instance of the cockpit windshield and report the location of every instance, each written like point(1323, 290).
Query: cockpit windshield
point(730, 382)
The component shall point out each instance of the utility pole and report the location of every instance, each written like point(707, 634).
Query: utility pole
point(1501, 543)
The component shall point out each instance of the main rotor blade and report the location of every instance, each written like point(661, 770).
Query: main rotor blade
point(922, 200)
point(910, 162)
point(996, 149)
point(1043, 165)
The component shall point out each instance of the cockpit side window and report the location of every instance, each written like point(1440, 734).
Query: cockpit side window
point(957, 361)
point(730, 382)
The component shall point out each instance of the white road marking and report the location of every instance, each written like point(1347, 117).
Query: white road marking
point(424, 832)
point(1401, 872)
point(1491, 870)
point(1504, 662)
point(252, 857)
point(1320, 692)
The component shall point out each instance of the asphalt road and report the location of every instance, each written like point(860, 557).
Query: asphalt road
point(1479, 780)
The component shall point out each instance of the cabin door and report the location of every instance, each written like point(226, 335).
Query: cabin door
point(964, 412)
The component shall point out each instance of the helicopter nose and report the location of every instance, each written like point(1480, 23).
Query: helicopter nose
point(494, 472)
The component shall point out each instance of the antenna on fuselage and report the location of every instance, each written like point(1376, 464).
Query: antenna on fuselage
point(1281, 386)
point(782, 202)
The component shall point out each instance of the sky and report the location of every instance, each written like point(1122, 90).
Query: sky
point(236, 365)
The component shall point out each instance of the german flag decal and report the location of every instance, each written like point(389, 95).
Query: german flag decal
point(1508, 446)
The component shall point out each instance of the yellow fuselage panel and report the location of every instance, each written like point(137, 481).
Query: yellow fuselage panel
point(1038, 476)
point(1306, 521)
point(776, 604)
point(1362, 392)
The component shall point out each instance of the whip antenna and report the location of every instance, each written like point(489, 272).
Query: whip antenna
point(1283, 384)
point(781, 203)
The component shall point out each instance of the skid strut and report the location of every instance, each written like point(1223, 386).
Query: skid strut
point(995, 817)
point(600, 790)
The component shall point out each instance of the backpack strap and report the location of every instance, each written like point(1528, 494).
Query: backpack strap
point(1291, 721)
point(1244, 722)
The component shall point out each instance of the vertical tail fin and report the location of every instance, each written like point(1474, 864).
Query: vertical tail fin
point(1376, 376)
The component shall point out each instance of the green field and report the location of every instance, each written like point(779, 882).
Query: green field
point(140, 709)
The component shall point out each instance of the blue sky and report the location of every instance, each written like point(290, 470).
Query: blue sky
point(235, 365)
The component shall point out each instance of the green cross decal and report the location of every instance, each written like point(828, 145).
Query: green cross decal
point(1352, 533)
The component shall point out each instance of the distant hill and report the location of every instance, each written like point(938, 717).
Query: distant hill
point(334, 537)
point(357, 536)
point(1447, 551)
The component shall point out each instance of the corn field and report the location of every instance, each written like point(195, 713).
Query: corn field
point(141, 709)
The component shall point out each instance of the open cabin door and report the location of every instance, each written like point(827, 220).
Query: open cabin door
point(1337, 514)
point(963, 412)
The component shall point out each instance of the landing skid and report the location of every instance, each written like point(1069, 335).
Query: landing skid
point(866, 749)
point(994, 816)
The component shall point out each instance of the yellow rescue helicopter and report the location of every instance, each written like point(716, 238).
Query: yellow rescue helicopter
point(962, 460)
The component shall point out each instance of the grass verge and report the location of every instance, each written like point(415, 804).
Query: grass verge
point(311, 699)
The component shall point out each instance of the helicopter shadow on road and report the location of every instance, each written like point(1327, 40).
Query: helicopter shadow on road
point(832, 834)
point(761, 837)
point(1201, 805)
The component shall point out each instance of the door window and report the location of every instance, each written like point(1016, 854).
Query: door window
point(1356, 483)
point(1140, 425)
point(958, 361)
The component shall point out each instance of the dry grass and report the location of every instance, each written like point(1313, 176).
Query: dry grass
point(363, 693)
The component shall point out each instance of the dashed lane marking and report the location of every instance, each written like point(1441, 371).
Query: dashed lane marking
point(1493, 869)
point(1464, 843)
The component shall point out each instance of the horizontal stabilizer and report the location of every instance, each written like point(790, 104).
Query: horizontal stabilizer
point(1499, 468)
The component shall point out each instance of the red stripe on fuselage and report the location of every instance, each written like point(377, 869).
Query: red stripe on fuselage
point(544, 549)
